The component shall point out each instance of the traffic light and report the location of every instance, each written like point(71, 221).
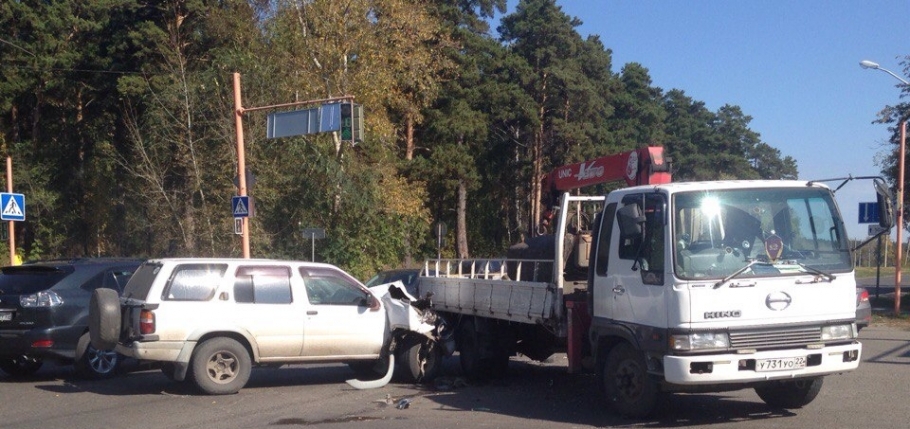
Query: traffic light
point(351, 122)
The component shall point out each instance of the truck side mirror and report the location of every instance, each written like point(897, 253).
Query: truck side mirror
point(885, 205)
point(630, 221)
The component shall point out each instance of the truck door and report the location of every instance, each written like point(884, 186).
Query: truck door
point(630, 274)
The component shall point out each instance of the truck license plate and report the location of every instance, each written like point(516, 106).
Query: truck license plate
point(782, 364)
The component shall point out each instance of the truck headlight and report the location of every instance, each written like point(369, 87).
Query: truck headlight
point(700, 341)
point(839, 332)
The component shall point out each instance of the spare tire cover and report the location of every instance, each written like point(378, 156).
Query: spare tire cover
point(104, 318)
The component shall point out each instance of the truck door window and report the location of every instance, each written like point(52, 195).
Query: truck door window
point(604, 232)
point(648, 248)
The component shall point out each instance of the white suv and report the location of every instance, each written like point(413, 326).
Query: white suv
point(211, 320)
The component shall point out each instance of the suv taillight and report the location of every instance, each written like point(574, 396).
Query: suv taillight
point(147, 322)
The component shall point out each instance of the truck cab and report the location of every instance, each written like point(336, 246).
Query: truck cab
point(712, 283)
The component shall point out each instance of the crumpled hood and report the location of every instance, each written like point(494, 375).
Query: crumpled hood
point(401, 310)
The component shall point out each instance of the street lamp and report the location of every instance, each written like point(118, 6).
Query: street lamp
point(866, 64)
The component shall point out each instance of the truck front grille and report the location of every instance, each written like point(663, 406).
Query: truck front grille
point(770, 338)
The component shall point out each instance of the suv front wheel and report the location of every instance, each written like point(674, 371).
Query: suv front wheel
point(220, 366)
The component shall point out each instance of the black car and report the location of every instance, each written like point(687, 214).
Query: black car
point(407, 276)
point(44, 314)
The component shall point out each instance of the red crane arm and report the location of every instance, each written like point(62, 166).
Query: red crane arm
point(641, 166)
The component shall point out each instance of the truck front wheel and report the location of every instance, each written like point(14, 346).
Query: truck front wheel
point(790, 394)
point(629, 388)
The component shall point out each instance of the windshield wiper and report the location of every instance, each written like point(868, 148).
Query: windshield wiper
point(740, 271)
point(828, 276)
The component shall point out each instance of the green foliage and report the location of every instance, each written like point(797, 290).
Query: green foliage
point(118, 115)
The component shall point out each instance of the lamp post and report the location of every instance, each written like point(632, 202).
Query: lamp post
point(866, 64)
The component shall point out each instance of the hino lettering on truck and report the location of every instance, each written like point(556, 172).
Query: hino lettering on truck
point(722, 314)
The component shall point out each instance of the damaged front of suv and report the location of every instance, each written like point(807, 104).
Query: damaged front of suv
point(418, 342)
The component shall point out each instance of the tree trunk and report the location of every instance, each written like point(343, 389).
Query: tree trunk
point(461, 227)
point(409, 138)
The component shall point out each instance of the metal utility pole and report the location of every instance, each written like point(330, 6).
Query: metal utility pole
point(898, 256)
point(241, 164)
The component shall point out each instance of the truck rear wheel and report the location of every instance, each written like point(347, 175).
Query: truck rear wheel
point(220, 366)
point(629, 388)
point(791, 393)
point(482, 356)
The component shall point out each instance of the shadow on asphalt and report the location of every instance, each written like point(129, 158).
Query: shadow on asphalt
point(530, 390)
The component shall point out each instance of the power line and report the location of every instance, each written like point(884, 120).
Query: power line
point(77, 70)
point(17, 47)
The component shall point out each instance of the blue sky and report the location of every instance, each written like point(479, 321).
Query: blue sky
point(793, 66)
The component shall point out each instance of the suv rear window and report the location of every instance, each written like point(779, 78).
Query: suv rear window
point(28, 279)
point(194, 282)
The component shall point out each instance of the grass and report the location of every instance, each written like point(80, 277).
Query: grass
point(883, 308)
point(886, 272)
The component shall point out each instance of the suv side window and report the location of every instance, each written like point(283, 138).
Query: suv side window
point(330, 287)
point(263, 285)
point(194, 282)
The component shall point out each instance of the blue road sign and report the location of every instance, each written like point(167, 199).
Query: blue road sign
point(240, 206)
point(868, 213)
point(12, 206)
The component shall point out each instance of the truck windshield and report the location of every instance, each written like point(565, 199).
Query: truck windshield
point(790, 230)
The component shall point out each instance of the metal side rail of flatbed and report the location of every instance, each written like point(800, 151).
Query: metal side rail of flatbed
point(483, 288)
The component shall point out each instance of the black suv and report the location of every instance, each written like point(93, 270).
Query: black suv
point(44, 313)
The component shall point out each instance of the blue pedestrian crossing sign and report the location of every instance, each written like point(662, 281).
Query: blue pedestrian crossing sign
point(12, 206)
point(240, 206)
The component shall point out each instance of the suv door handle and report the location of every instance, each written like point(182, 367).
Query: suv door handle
point(312, 312)
point(619, 290)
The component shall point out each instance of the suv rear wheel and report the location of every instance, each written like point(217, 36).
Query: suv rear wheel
point(220, 366)
point(93, 363)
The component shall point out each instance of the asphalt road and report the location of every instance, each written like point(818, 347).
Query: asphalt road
point(532, 395)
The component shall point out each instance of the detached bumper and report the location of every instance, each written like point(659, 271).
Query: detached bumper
point(742, 368)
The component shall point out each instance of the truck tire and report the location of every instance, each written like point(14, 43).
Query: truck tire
point(420, 360)
point(482, 357)
point(629, 389)
point(791, 393)
point(104, 318)
point(95, 364)
point(220, 366)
